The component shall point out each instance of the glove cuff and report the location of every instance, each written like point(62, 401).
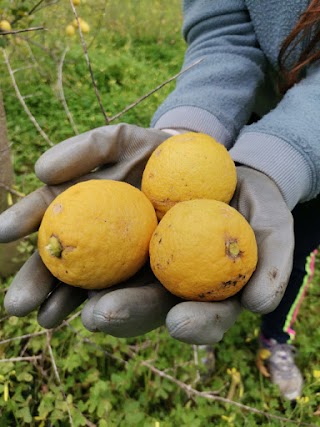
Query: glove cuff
point(279, 161)
point(194, 119)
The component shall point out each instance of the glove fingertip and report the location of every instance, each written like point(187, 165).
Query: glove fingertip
point(87, 317)
point(45, 172)
point(13, 306)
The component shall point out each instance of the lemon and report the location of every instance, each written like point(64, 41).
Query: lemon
point(70, 31)
point(5, 25)
point(96, 233)
point(85, 28)
point(188, 166)
point(203, 250)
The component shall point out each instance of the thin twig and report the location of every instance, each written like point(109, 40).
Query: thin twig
point(22, 337)
point(34, 60)
point(49, 52)
point(61, 92)
point(143, 97)
point(97, 346)
point(20, 97)
point(212, 396)
point(27, 67)
point(85, 51)
point(35, 7)
point(21, 359)
point(11, 190)
point(189, 390)
point(24, 30)
point(56, 373)
point(36, 334)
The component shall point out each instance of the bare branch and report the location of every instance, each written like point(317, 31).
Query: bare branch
point(85, 51)
point(189, 390)
point(35, 7)
point(212, 396)
point(97, 346)
point(61, 92)
point(21, 359)
point(56, 373)
point(142, 98)
point(36, 334)
point(24, 105)
point(48, 4)
point(49, 52)
point(24, 30)
point(27, 67)
point(11, 190)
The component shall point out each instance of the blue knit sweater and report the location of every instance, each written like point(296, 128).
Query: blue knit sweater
point(239, 41)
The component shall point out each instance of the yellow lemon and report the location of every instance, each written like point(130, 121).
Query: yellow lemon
point(70, 31)
point(188, 166)
point(5, 25)
point(75, 22)
point(76, 2)
point(203, 250)
point(85, 28)
point(96, 233)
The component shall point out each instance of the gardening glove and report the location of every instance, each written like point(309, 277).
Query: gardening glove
point(120, 313)
point(259, 200)
point(117, 152)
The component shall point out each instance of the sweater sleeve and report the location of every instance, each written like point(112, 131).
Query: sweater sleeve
point(217, 95)
point(285, 143)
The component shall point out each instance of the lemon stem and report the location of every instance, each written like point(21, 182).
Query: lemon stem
point(233, 249)
point(54, 247)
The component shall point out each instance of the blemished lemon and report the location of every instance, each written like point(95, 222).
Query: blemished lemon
point(203, 250)
point(96, 233)
point(188, 166)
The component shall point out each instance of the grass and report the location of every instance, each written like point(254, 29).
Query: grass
point(104, 381)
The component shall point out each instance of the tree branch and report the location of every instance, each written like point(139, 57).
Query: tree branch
point(25, 30)
point(21, 99)
point(61, 92)
point(56, 373)
point(86, 55)
point(212, 396)
point(11, 190)
point(143, 97)
point(21, 359)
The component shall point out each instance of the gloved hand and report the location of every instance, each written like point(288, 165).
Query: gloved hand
point(112, 152)
point(259, 200)
point(132, 310)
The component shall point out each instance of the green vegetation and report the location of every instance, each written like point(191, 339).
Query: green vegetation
point(104, 381)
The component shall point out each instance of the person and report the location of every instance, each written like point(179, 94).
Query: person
point(277, 156)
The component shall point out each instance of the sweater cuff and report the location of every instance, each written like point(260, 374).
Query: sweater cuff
point(197, 120)
point(277, 159)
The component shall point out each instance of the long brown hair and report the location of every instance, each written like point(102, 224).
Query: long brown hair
point(308, 23)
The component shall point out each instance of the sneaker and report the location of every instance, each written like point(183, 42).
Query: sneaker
point(277, 361)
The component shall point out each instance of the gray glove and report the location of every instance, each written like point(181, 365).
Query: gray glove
point(112, 152)
point(120, 152)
